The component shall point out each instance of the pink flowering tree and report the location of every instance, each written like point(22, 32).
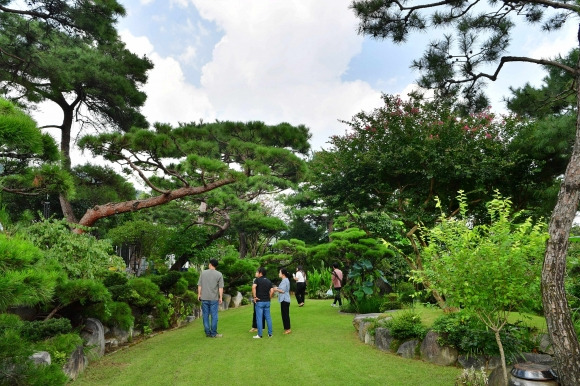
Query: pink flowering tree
point(399, 157)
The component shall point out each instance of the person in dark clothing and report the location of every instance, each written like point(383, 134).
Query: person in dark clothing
point(262, 289)
point(300, 277)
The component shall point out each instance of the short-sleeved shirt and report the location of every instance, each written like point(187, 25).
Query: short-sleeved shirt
point(337, 278)
point(210, 281)
point(263, 286)
point(300, 277)
point(284, 286)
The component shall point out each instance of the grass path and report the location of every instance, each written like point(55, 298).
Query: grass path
point(323, 349)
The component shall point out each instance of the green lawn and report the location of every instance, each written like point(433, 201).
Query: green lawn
point(323, 349)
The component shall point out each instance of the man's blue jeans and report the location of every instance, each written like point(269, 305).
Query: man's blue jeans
point(210, 308)
point(263, 308)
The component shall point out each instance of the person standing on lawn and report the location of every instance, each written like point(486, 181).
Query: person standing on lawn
point(262, 290)
point(300, 277)
point(210, 290)
point(284, 299)
point(337, 284)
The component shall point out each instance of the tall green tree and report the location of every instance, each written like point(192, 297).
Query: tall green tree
point(194, 159)
point(475, 35)
point(93, 79)
point(490, 269)
point(28, 158)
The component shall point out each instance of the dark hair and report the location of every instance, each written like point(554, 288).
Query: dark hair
point(334, 265)
point(284, 272)
point(262, 270)
point(299, 268)
point(214, 262)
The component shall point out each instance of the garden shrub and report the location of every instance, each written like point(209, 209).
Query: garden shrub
point(391, 302)
point(367, 305)
point(112, 313)
point(43, 329)
point(406, 291)
point(406, 325)
point(470, 336)
point(318, 283)
point(60, 347)
point(17, 369)
point(472, 377)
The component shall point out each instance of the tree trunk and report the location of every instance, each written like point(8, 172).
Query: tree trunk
point(556, 309)
point(502, 356)
point(243, 245)
point(65, 133)
point(113, 208)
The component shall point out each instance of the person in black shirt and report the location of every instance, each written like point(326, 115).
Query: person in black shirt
point(262, 290)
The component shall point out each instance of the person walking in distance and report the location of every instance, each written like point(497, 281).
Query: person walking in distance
point(262, 290)
point(210, 290)
point(300, 278)
point(284, 298)
point(337, 284)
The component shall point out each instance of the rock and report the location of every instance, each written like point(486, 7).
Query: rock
point(189, 318)
point(546, 344)
point(237, 300)
point(496, 377)
point(93, 334)
point(369, 339)
point(41, 358)
point(433, 352)
point(475, 361)
point(225, 303)
point(76, 364)
point(407, 349)
point(362, 330)
point(122, 336)
point(493, 363)
point(111, 344)
point(360, 317)
point(383, 339)
point(541, 359)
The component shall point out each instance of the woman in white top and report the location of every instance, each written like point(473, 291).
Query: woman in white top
point(300, 278)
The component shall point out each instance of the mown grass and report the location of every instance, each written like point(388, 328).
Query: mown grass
point(323, 349)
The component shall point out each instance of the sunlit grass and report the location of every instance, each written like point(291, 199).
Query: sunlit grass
point(323, 349)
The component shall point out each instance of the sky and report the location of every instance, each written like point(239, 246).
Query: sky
point(295, 61)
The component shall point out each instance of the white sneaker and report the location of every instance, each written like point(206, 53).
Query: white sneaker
point(257, 337)
point(333, 305)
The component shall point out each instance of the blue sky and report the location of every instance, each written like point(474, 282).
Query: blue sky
point(296, 61)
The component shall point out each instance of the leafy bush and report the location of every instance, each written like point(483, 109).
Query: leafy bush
point(318, 283)
point(60, 347)
point(472, 377)
point(112, 314)
point(406, 291)
point(43, 329)
point(406, 325)
point(17, 369)
point(369, 305)
point(469, 335)
point(391, 302)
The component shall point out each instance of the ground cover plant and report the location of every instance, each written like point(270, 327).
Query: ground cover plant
point(323, 348)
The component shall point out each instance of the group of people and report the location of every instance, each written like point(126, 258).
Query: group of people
point(210, 289)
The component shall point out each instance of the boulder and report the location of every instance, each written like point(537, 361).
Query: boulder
point(469, 361)
point(360, 317)
point(118, 334)
point(407, 349)
point(546, 344)
point(362, 329)
point(93, 334)
point(383, 339)
point(41, 358)
point(369, 339)
point(433, 352)
point(541, 359)
point(496, 377)
point(237, 300)
point(226, 302)
point(76, 364)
